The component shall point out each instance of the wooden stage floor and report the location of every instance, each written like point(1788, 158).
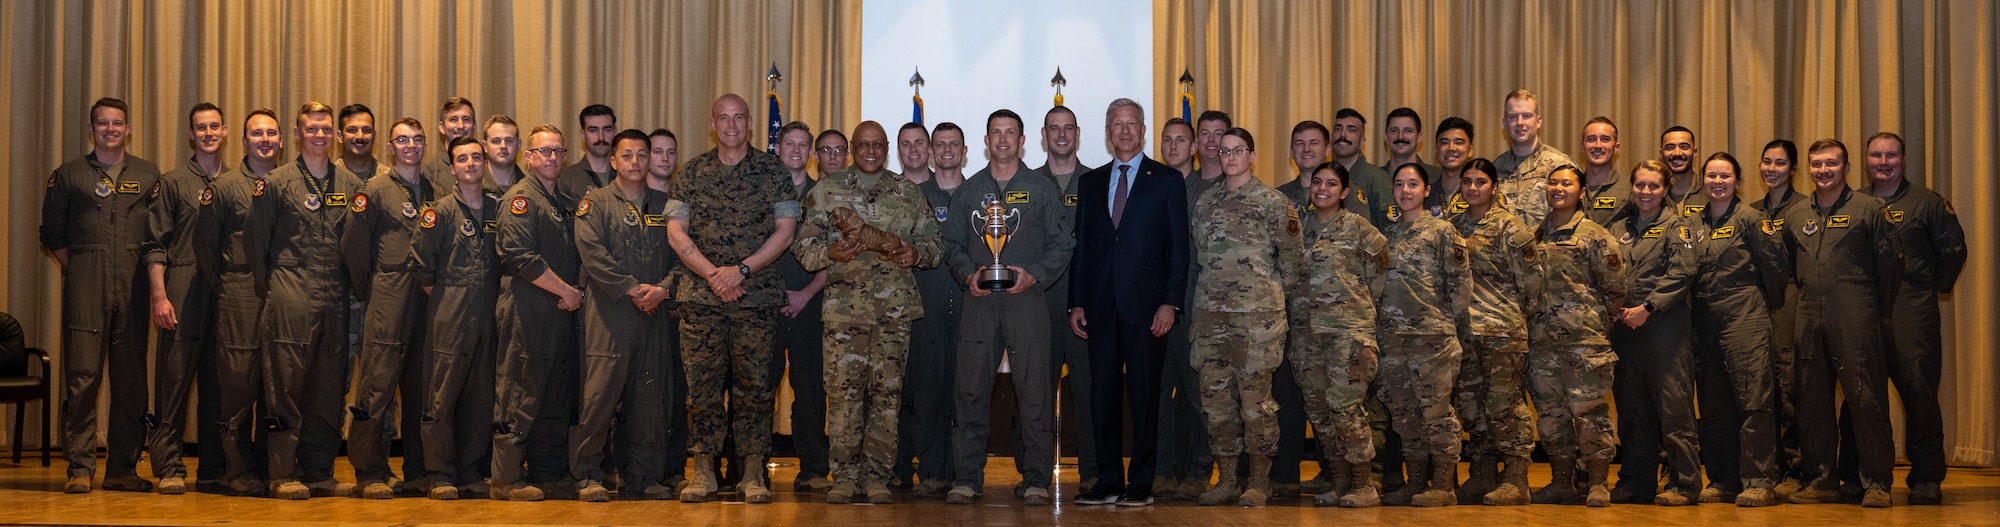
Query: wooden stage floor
point(30, 494)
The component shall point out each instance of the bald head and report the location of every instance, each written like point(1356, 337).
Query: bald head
point(870, 146)
point(730, 120)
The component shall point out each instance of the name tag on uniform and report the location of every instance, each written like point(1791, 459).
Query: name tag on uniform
point(1016, 197)
point(1726, 231)
point(128, 187)
point(1895, 216)
point(1838, 222)
point(1069, 200)
point(1653, 233)
point(1605, 203)
point(849, 199)
point(337, 199)
point(656, 220)
point(1691, 210)
point(492, 225)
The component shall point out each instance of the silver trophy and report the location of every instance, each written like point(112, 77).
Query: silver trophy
point(991, 221)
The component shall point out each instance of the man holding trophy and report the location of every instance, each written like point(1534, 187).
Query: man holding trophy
point(1007, 255)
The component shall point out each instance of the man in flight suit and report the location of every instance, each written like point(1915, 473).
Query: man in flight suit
point(536, 383)
point(182, 302)
point(377, 246)
point(222, 255)
point(458, 266)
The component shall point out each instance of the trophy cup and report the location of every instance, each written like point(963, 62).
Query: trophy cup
point(991, 223)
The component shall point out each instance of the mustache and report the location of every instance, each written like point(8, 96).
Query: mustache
point(1342, 142)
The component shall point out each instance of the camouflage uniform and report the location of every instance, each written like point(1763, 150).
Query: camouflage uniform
point(1249, 245)
point(1490, 392)
point(457, 257)
point(170, 233)
point(98, 213)
point(1524, 180)
point(1577, 283)
point(222, 255)
point(729, 211)
point(296, 253)
point(1740, 269)
point(1423, 302)
point(1654, 378)
point(1333, 337)
point(870, 302)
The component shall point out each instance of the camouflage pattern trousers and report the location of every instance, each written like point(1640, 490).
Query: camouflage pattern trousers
point(1569, 383)
point(1418, 371)
point(1334, 371)
point(864, 395)
point(1234, 355)
point(1491, 398)
point(731, 342)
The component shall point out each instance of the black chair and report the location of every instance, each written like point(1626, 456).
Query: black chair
point(17, 387)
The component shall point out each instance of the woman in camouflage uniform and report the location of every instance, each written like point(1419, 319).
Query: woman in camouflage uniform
point(1333, 334)
point(1422, 304)
point(1576, 285)
point(1247, 242)
point(1490, 395)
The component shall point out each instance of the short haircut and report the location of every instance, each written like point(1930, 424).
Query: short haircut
point(1405, 112)
point(1239, 133)
point(1824, 144)
point(1003, 113)
point(1483, 166)
point(913, 125)
point(1455, 123)
point(462, 141)
point(411, 122)
point(498, 119)
point(455, 103)
point(1655, 166)
point(662, 132)
point(1677, 128)
point(795, 126)
point(204, 107)
point(948, 126)
point(1339, 172)
point(1606, 121)
point(543, 129)
point(1057, 109)
point(1791, 149)
point(313, 108)
point(1349, 113)
point(1123, 102)
point(596, 110)
point(1215, 115)
point(1176, 121)
point(267, 112)
point(1522, 95)
point(830, 132)
point(1887, 135)
point(350, 111)
point(631, 134)
point(109, 102)
point(1313, 126)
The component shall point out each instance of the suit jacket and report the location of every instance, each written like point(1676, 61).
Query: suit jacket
point(1141, 264)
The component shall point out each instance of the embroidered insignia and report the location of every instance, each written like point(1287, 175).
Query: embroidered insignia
point(1015, 197)
point(518, 205)
point(360, 203)
point(1838, 222)
point(207, 195)
point(430, 219)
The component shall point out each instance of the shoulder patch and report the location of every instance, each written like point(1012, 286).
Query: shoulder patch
point(1292, 226)
point(518, 205)
point(430, 219)
point(1458, 253)
point(1947, 203)
point(360, 203)
point(1611, 260)
point(1769, 227)
point(1686, 235)
point(1395, 213)
point(52, 184)
point(583, 207)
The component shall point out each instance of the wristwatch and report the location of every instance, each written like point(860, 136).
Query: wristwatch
point(1649, 306)
point(743, 268)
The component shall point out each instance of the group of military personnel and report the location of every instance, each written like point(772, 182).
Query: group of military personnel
point(617, 320)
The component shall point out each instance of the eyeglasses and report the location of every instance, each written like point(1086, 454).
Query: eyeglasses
point(553, 151)
point(408, 140)
point(833, 149)
point(1232, 152)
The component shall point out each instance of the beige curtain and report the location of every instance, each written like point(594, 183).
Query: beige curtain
point(1738, 73)
point(659, 64)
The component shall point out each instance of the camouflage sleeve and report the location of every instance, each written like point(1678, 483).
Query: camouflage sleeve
point(809, 246)
point(1376, 265)
point(55, 215)
point(1457, 278)
point(924, 238)
point(159, 226)
point(600, 265)
point(676, 209)
point(1611, 272)
point(1948, 237)
point(1287, 234)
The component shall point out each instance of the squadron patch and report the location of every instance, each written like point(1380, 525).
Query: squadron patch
point(1769, 227)
point(518, 205)
point(1947, 203)
point(1686, 235)
point(360, 203)
point(1611, 261)
point(207, 195)
point(260, 188)
point(429, 220)
point(583, 207)
point(52, 180)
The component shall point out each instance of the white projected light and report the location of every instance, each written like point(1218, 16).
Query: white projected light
point(977, 57)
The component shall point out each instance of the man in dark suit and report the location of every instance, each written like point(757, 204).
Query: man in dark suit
point(1130, 276)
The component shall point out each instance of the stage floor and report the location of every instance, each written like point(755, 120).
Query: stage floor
point(30, 494)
